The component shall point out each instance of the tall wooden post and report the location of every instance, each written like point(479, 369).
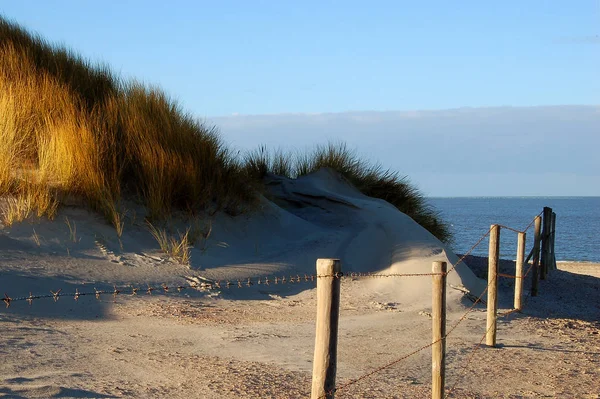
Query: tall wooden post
point(438, 317)
point(553, 240)
point(519, 271)
point(492, 296)
point(546, 227)
point(328, 311)
point(536, 255)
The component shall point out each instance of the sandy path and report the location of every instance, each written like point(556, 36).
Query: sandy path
point(182, 347)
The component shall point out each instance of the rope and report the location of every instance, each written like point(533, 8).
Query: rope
point(469, 251)
point(377, 370)
point(469, 359)
point(509, 228)
point(385, 366)
point(532, 221)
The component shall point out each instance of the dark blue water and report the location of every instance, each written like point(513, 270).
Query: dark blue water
point(577, 223)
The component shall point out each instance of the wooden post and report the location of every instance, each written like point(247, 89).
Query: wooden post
point(546, 226)
point(328, 311)
point(553, 240)
point(519, 271)
point(536, 255)
point(492, 296)
point(438, 317)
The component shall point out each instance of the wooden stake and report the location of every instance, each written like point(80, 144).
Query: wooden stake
point(519, 271)
point(553, 241)
point(492, 296)
point(536, 255)
point(546, 226)
point(438, 317)
point(328, 311)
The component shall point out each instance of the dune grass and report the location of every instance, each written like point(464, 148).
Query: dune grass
point(84, 133)
point(371, 179)
point(70, 128)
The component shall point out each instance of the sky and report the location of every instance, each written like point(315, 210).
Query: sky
point(314, 71)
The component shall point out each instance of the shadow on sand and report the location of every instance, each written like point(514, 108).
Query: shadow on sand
point(555, 297)
point(53, 392)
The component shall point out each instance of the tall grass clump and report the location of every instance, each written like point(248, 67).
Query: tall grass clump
point(371, 179)
point(78, 130)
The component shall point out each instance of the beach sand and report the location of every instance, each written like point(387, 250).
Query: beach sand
point(257, 342)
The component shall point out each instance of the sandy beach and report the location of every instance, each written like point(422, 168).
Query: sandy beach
point(257, 341)
point(197, 347)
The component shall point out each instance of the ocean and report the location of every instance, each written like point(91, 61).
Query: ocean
point(577, 223)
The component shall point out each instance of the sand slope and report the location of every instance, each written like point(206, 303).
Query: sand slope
point(319, 215)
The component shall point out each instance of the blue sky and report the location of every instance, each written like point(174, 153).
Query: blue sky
point(263, 57)
point(318, 57)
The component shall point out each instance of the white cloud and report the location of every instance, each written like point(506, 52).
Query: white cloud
point(561, 141)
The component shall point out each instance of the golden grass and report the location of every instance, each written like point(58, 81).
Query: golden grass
point(17, 209)
point(87, 134)
point(28, 199)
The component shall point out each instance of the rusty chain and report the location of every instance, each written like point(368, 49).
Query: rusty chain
point(133, 289)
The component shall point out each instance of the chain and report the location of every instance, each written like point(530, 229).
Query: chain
point(377, 370)
point(354, 275)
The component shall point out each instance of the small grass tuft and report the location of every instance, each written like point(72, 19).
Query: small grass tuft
point(178, 248)
point(200, 231)
point(36, 238)
point(26, 199)
point(16, 210)
point(72, 230)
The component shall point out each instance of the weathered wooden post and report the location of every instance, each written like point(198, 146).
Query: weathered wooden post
point(328, 311)
point(519, 271)
point(553, 240)
point(535, 272)
point(546, 227)
point(492, 296)
point(438, 317)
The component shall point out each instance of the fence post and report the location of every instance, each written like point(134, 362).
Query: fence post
point(438, 317)
point(519, 272)
point(546, 226)
point(553, 241)
point(328, 311)
point(536, 255)
point(492, 297)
